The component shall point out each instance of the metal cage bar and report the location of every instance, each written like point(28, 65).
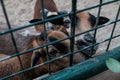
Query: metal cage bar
point(45, 35)
point(12, 36)
point(117, 15)
point(73, 22)
point(113, 53)
point(29, 50)
point(46, 20)
point(97, 20)
point(55, 59)
point(86, 69)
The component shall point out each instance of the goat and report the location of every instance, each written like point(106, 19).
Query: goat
point(12, 65)
point(57, 49)
point(7, 48)
point(88, 21)
point(85, 21)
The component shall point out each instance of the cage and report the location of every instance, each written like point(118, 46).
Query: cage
point(19, 40)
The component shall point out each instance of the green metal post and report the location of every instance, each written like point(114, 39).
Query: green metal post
point(73, 22)
point(86, 69)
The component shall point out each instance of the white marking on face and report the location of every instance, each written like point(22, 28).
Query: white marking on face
point(27, 33)
point(68, 30)
point(48, 26)
point(52, 13)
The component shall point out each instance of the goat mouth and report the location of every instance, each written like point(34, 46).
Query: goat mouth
point(88, 48)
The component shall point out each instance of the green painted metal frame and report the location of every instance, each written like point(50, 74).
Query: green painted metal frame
point(71, 53)
point(86, 69)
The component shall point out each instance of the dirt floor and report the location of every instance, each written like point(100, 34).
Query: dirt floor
point(20, 12)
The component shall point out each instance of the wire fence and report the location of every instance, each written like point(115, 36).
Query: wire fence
point(71, 37)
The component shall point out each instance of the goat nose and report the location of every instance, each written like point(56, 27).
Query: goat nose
point(89, 38)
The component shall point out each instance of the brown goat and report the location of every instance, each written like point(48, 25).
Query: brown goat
point(12, 65)
point(61, 63)
point(85, 21)
point(7, 48)
point(59, 33)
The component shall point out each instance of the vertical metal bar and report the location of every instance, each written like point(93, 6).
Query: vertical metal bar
point(12, 36)
point(45, 36)
point(73, 20)
point(97, 20)
point(113, 28)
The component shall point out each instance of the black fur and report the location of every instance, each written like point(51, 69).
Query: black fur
point(88, 52)
point(60, 46)
point(35, 20)
point(58, 21)
point(92, 20)
point(35, 58)
point(52, 51)
point(102, 20)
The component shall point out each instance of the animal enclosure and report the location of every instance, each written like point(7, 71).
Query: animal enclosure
point(23, 42)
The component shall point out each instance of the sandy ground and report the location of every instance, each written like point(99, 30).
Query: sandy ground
point(21, 11)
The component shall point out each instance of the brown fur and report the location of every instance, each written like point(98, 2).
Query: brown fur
point(59, 35)
point(51, 6)
point(12, 65)
point(84, 23)
point(7, 48)
point(61, 63)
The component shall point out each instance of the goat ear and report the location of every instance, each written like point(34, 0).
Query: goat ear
point(58, 21)
point(92, 19)
point(35, 57)
point(34, 20)
point(103, 20)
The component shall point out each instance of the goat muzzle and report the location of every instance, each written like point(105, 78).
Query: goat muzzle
point(87, 42)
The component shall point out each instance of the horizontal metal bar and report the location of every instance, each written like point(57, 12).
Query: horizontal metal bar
point(6, 77)
point(113, 29)
point(92, 7)
point(86, 69)
point(46, 20)
point(50, 43)
point(26, 26)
